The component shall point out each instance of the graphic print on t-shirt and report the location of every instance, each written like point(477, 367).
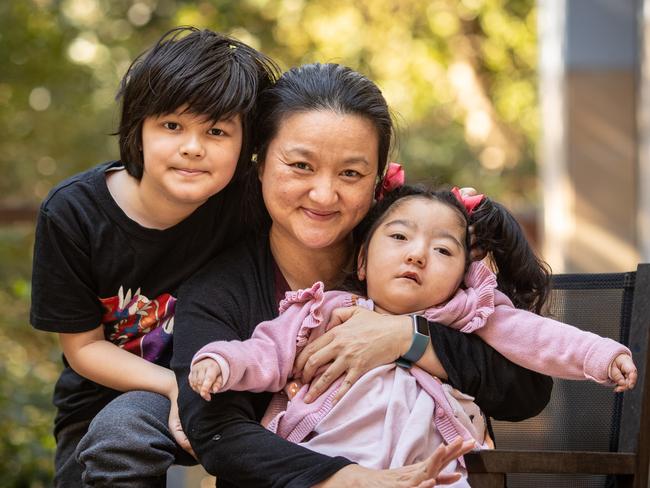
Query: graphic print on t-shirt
point(138, 324)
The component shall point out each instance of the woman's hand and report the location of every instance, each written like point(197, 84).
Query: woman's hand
point(174, 423)
point(364, 340)
point(424, 474)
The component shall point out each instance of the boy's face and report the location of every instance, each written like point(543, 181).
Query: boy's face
point(416, 257)
point(187, 158)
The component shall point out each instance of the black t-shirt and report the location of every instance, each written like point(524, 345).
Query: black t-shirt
point(94, 265)
point(238, 290)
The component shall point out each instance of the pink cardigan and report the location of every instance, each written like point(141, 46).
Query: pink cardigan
point(264, 362)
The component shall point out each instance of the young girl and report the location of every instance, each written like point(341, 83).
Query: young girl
point(413, 259)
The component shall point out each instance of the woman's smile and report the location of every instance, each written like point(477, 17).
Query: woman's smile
point(321, 215)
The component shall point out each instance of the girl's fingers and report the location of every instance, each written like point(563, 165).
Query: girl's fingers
point(632, 378)
point(616, 374)
point(216, 386)
point(208, 381)
point(629, 372)
point(197, 379)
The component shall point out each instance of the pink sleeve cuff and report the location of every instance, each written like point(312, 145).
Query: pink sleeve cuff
point(221, 361)
point(600, 357)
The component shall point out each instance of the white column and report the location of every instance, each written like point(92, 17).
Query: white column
point(557, 208)
point(643, 212)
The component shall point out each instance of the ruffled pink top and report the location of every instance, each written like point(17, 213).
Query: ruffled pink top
point(383, 401)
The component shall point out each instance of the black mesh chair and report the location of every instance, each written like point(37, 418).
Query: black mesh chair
point(587, 436)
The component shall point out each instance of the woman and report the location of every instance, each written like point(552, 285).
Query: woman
point(324, 132)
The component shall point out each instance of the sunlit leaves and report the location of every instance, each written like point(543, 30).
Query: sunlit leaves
point(460, 76)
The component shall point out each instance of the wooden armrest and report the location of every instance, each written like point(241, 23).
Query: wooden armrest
point(502, 461)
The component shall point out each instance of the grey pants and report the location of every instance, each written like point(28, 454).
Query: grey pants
point(127, 445)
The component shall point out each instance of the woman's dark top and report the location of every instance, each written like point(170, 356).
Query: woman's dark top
point(225, 301)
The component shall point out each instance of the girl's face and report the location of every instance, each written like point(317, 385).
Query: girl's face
point(318, 176)
point(416, 257)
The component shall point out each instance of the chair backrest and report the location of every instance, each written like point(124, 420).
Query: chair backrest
point(584, 416)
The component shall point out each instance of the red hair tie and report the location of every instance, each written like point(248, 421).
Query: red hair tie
point(393, 178)
point(469, 202)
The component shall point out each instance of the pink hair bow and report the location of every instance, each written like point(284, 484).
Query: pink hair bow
point(470, 202)
point(393, 178)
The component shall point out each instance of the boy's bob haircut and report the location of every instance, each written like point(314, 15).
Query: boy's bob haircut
point(204, 72)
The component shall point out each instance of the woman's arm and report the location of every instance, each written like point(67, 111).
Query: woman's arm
point(225, 432)
point(502, 389)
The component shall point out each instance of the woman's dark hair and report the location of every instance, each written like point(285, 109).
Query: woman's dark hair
point(323, 87)
point(314, 87)
point(521, 274)
point(208, 73)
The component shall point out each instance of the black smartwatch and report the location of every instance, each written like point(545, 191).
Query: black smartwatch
point(419, 344)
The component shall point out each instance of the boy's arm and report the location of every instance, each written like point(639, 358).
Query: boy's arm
point(101, 361)
point(548, 346)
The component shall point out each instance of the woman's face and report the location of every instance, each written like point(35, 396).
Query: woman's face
point(319, 175)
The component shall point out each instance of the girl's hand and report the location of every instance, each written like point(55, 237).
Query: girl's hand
point(424, 474)
point(623, 372)
point(205, 378)
point(174, 424)
point(365, 340)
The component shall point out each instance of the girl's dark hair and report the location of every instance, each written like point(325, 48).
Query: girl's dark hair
point(314, 87)
point(521, 274)
point(211, 74)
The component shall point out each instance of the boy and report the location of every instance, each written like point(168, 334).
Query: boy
point(114, 243)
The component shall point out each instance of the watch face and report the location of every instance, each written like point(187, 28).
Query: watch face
point(421, 325)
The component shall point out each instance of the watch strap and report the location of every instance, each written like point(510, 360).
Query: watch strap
point(418, 344)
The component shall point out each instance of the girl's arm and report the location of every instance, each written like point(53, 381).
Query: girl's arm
point(548, 346)
point(261, 363)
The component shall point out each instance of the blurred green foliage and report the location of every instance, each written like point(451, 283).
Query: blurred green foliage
point(460, 76)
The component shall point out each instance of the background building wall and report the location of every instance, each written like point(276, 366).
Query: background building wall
point(589, 158)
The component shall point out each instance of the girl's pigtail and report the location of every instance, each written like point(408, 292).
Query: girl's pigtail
point(521, 274)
